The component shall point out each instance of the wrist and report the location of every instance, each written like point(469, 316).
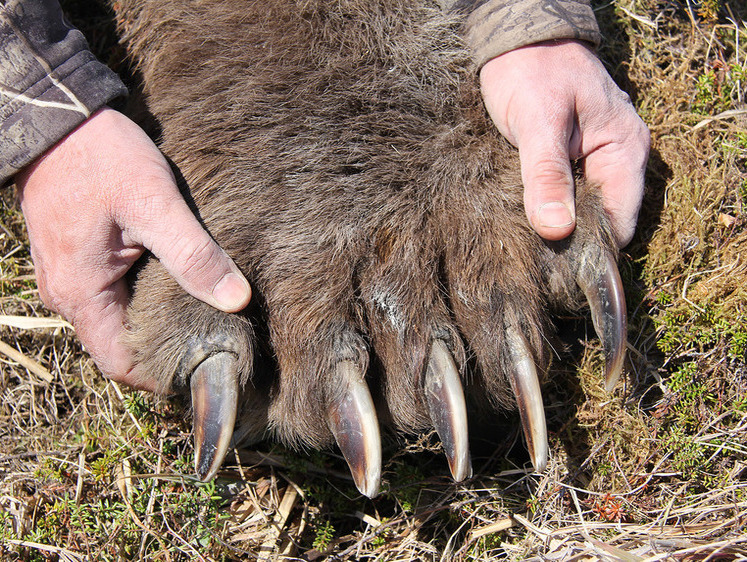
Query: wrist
point(499, 26)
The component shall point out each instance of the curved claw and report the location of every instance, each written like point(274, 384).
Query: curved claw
point(447, 409)
point(215, 394)
point(354, 424)
point(603, 289)
point(525, 384)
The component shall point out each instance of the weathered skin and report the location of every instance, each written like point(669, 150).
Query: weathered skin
point(340, 153)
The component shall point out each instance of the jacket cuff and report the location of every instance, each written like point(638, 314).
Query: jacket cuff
point(498, 26)
point(49, 81)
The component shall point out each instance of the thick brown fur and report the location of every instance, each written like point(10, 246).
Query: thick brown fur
point(340, 153)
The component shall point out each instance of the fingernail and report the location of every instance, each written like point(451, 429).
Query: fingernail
point(555, 215)
point(232, 293)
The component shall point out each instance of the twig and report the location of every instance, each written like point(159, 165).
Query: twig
point(531, 526)
point(639, 19)
point(81, 470)
point(33, 322)
point(63, 553)
point(121, 477)
point(679, 554)
point(26, 362)
point(28, 455)
point(120, 395)
point(728, 114)
point(497, 527)
point(281, 516)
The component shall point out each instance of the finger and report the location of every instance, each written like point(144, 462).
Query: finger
point(99, 323)
point(548, 183)
point(195, 260)
point(619, 169)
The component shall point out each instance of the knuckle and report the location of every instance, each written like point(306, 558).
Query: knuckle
point(147, 207)
point(51, 292)
point(47, 297)
point(639, 141)
point(197, 258)
point(644, 135)
point(550, 177)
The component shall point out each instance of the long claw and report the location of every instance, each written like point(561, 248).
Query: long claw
point(448, 410)
point(215, 394)
point(354, 424)
point(525, 384)
point(604, 291)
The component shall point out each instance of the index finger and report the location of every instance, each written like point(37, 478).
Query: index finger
point(619, 170)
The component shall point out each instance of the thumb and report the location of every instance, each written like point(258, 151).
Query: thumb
point(195, 260)
point(549, 199)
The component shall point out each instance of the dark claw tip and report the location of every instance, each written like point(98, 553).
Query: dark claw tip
point(215, 392)
point(448, 410)
point(526, 387)
point(603, 288)
point(355, 427)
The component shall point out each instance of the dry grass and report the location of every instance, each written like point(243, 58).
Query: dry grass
point(655, 471)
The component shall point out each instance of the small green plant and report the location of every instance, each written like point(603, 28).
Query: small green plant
point(49, 470)
point(708, 9)
point(406, 486)
point(533, 504)
point(663, 298)
point(683, 381)
point(484, 545)
point(738, 345)
point(716, 87)
point(323, 536)
point(604, 468)
point(705, 93)
point(688, 456)
point(185, 462)
point(740, 404)
point(691, 394)
point(135, 403)
point(102, 466)
point(6, 526)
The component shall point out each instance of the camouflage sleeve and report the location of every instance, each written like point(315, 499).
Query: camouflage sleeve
point(497, 26)
point(50, 82)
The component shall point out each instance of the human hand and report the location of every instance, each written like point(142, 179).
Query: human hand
point(556, 103)
point(93, 204)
